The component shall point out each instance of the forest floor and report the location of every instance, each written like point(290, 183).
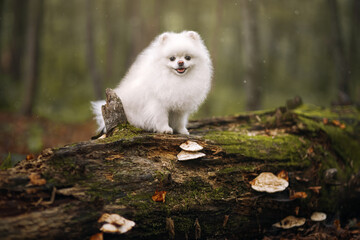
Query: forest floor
point(21, 135)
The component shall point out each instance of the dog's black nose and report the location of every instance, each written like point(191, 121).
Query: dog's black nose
point(181, 63)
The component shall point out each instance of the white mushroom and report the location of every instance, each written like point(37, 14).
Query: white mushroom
point(318, 216)
point(184, 155)
point(115, 223)
point(191, 146)
point(127, 226)
point(268, 182)
point(290, 222)
point(109, 228)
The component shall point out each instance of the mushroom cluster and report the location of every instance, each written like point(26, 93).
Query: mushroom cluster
point(190, 150)
point(114, 223)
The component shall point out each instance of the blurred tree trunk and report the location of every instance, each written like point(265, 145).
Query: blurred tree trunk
point(252, 59)
point(135, 31)
point(32, 55)
point(18, 36)
point(90, 51)
point(354, 45)
point(341, 62)
point(110, 34)
point(1, 27)
point(217, 31)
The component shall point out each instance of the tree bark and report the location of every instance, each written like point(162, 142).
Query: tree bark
point(32, 56)
point(207, 198)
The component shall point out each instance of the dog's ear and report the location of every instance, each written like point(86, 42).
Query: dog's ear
point(163, 37)
point(194, 35)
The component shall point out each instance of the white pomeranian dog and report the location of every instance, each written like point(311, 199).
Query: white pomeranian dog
point(166, 83)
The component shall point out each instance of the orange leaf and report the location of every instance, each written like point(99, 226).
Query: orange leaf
point(294, 195)
point(35, 179)
point(310, 150)
point(284, 175)
point(342, 126)
point(30, 156)
point(336, 122)
point(325, 121)
point(97, 236)
point(297, 210)
point(159, 196)
point(109, 177)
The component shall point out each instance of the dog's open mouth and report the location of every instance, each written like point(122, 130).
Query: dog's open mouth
point(180, 70)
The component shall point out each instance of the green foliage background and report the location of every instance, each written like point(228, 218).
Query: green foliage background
point(294, 44)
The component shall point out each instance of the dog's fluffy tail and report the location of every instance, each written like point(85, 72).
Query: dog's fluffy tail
point(96, 109)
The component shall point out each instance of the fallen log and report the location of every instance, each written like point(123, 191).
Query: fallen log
point(205, 198)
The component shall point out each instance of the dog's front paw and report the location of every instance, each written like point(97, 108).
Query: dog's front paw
point(183, 131)
point(167, 130)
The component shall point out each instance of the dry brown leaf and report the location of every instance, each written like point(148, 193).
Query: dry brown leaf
point(337, 224)
point(301, 179)
point(159, 196)
point(109, 177)
point(284, 175)
point(35, 179)
point(310, 150)
point(294, 195)
point(315, 189)
point(325, 120)
point(342, 126)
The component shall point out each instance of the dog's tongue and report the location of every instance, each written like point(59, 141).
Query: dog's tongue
point(181, 70)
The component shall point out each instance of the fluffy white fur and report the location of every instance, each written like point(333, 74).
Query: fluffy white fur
point(158, 93)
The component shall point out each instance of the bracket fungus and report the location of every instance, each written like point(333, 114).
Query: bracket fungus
point(115, 223)
point(184, 155)
point(268, 182)
point(191, 146)
point(190, 150)
point(290, 222)
point(318, 216)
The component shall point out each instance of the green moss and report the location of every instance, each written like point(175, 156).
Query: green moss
point(123, 131)
point(236, 169)
point(337, 112)
point(343, 142)
point(280, 147)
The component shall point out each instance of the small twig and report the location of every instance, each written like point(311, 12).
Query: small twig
point(52, 199)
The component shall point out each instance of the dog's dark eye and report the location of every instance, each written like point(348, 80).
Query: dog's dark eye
point(172, 59)
point(187, 58)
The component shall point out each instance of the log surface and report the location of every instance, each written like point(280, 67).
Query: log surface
point(207, 198)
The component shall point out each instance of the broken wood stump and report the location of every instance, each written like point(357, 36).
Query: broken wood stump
point(113, 111)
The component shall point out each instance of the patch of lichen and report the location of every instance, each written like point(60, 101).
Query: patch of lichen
point(281, 147)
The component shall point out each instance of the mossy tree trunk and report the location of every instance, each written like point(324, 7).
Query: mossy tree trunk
point(119, 174)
